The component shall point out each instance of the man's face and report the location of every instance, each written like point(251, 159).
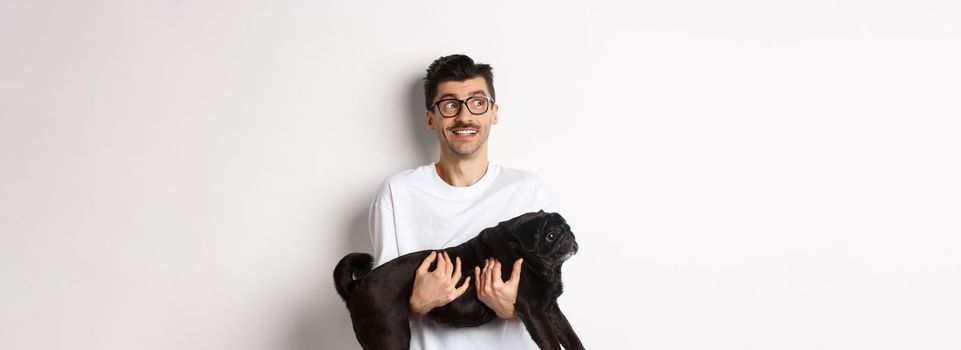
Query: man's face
point(451, 131)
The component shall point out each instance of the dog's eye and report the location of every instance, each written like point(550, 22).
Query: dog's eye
point(550, 236)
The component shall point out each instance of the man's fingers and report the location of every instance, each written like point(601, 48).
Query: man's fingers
point(516, 273)
point(457, 275)
point(449, 267)
point(426, 264)
point(463, 288)
point(497, 271)
point(490, 273)
point(485, 275)
point(441, 263)
point(477, 279)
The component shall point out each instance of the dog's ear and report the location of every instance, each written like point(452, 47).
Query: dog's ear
point(526, 229)
point(524, 219)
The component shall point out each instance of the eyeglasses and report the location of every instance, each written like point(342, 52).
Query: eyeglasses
point(450, 107)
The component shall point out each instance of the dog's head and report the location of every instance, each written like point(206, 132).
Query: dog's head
point(544, 236)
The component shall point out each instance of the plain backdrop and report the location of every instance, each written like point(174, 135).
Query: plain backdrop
point(740, 174)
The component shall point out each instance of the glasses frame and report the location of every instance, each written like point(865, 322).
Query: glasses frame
point(490, 101)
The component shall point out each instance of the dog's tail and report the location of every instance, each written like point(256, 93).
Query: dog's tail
point(352, 266)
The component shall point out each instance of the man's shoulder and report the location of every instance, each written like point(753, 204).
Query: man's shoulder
point(519, 175)
point(519, 178)
point(403, 178)
point(406, 176)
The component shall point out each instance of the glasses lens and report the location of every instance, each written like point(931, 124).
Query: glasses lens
point(448, 108)
point(478, 104)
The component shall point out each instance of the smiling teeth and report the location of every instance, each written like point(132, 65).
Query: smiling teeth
point(465, 132)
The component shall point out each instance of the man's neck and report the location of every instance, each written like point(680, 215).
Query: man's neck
point(461, 172)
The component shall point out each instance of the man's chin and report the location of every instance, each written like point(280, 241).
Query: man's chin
point(463, 152)
point(464, 149)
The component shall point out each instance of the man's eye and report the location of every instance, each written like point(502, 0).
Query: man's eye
point(450, 105)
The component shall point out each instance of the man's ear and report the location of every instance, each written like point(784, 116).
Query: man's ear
point(430, 119)
point(494, 118)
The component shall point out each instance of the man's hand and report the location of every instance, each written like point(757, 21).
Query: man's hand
point(493, 291)
point(435, 288)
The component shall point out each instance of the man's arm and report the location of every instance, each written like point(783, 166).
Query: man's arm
point(383, 236)
point(431, 288)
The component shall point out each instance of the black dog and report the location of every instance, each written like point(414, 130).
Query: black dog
point(378, 299)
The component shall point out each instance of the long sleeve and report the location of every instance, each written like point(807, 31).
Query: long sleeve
point(383, 235)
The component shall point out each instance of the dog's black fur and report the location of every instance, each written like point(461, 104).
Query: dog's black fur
point(378, 299)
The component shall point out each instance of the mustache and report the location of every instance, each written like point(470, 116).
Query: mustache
point(464, 125)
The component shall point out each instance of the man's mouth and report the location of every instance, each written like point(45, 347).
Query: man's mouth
point(464, 134)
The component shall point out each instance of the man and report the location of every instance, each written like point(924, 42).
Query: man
point(446, 203)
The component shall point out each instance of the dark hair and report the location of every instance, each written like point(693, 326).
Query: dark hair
point(455, 68)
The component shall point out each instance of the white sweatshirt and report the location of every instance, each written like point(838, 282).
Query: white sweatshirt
point(416, 210)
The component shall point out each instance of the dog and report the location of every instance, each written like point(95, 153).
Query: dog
point(378, 299)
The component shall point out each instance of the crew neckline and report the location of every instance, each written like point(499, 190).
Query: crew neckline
point(454, 192)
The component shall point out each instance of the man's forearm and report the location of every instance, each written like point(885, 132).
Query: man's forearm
point(417, 309)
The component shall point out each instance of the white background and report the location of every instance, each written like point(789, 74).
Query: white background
point(740, 175)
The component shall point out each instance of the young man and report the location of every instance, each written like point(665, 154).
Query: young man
point(448, 202)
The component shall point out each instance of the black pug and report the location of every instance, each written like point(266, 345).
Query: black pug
point(378, 299)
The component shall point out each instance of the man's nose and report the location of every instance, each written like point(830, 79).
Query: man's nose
point(463, 113)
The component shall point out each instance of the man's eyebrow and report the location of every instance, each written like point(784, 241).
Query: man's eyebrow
point(473, 93)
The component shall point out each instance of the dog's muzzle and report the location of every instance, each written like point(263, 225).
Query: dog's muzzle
point(568, 247)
